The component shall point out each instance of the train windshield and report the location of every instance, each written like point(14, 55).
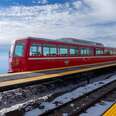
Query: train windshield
point(19, 49)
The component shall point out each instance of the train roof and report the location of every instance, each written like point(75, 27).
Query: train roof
point(78, 41)
point(71, 41)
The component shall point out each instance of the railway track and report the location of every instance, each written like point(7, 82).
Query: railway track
point(19, 111)
point(78, 105)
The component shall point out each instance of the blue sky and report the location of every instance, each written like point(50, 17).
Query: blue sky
point(31, 2)
point(83, 19)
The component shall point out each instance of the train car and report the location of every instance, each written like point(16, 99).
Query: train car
point(31, 53)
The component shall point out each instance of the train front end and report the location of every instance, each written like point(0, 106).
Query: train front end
point(17, 56)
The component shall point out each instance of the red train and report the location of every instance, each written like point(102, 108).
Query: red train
point(36, 53)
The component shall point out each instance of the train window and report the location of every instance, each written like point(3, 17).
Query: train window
point(106, 52)
point(73, 51)
point(114, 52)
point(19, 49)
point(46, 51)
point(82, 51)
point(64, 51)
point(85, 51)
point(35, 50)
point(99, 52)
point(53, 51)
point(111, 52)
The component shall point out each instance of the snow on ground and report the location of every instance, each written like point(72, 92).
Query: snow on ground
point(69, 96)
point(19, 106)
point(98, 109)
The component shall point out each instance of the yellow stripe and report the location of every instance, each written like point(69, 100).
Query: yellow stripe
point(111, 111)
point(48, 76)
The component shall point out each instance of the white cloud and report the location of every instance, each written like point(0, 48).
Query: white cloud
point(40, 1)
point(102, 9)
point(60, 20)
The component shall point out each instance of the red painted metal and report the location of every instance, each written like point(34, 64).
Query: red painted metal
point(30, 63)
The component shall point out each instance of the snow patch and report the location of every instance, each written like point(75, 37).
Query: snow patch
point(69, 96)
